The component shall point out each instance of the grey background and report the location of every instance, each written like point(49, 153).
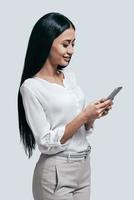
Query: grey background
point(103, 60)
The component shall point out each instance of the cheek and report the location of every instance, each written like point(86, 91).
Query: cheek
point(57, 52)
point(61, 51)
point(54, 53)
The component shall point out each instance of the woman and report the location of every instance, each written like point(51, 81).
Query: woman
point(53, 115)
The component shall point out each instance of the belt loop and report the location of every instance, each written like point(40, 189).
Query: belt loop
point(68, 157)
point(85, 156)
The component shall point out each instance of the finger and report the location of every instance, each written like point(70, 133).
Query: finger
point(105, 104)
point(100, 111)
point(104, 113)
point(109, 107)
point(102, 100)
point(99, 101)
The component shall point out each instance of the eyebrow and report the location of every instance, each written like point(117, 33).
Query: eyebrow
point(69, 40)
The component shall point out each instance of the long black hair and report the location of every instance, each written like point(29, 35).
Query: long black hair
point(46, 29)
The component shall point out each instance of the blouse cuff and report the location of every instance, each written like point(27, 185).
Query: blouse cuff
point(51, 143)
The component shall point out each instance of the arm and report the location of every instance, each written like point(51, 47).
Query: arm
point(74, 125)
point(86, 117)
point(47, 139)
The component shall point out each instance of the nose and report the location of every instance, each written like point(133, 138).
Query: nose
point(70, 49)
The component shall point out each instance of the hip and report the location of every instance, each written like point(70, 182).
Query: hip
point(55, 172)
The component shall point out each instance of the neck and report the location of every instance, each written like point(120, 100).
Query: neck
point(48, 70)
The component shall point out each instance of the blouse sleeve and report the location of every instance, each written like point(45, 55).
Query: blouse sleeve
point(47, 139)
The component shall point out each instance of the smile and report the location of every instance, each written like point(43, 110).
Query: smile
point(67, 58)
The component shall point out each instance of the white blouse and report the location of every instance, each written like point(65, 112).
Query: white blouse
point(49, 107)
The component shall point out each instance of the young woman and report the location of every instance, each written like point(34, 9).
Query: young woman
point(53, 115)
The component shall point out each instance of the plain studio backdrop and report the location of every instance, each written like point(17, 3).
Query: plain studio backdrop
point(103, 60)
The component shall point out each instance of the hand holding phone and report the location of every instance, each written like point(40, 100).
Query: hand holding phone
point(111, 97)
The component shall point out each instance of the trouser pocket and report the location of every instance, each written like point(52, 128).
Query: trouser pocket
point(57, 179)
point(48, 178)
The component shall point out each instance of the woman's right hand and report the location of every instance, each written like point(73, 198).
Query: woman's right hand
point(97, 109)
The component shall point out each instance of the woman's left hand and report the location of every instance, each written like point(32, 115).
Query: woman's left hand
point(105, 112)
point(90, 123)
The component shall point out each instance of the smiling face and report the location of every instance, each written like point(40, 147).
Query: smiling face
point(62, 48)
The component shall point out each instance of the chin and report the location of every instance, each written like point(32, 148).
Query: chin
point(64, 64)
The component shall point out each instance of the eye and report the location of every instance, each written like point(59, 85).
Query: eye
point(73, 44)
point(65, 45)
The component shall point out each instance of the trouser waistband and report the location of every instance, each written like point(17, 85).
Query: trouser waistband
point(73, 155)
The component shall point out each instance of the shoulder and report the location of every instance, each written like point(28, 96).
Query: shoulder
point(28, 85)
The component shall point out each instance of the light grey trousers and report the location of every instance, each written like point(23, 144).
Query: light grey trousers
point(60, 178)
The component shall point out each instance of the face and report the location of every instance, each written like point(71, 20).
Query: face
point(62, 48)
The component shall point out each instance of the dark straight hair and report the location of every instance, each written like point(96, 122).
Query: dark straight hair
point(46, 29)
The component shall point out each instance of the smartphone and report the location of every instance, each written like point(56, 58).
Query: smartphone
point(114, 93)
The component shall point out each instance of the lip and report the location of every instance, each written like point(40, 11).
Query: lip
point(67, 58)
